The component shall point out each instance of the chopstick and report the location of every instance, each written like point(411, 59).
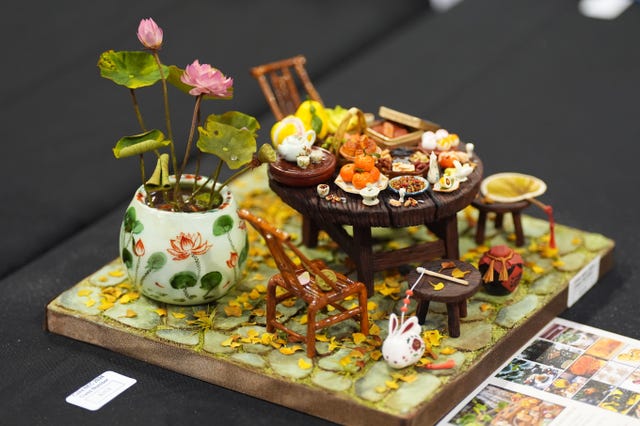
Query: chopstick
point(446, 277)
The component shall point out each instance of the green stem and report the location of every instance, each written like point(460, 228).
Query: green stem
point(185, 159)
point(167, 115)
point(136, 108)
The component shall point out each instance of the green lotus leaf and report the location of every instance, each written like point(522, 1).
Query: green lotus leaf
point(156, 261)
point(182, 280)
point(130, 69)
point(210, 280)
point(222, 225)
point(174, 80)
point(230, 136)
point(140, 143)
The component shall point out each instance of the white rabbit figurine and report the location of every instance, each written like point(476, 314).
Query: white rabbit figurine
point(404, 345)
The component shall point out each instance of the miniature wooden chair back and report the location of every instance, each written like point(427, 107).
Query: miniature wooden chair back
point(310, 281)
point(280, 86)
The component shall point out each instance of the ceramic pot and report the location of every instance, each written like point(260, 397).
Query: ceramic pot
point(183, 258)
point(501, 268)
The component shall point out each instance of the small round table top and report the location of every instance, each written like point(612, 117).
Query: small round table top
point(451, 292)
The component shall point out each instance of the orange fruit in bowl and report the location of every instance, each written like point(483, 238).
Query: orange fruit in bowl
point(347, 171)
point(361, 179)
point(364, 162)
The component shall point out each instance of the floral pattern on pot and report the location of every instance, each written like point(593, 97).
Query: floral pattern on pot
point(183, 258)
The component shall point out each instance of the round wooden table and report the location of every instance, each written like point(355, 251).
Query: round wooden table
point(436, 210)
point(454, 295)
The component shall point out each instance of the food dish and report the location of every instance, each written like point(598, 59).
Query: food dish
point(381, 184)
point(414, 185)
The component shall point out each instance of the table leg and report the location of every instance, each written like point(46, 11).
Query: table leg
point(362, 254)
point(309, 232)
point(447, 230)
point(421, 312)
point(463, 309)
point(480, 226)
point(517, 225)
point(453, 316)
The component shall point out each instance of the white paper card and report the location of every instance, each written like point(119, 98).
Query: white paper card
point(100, 390)
point(583, 281)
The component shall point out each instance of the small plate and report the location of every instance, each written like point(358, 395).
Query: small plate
point(419, 180)
point(381, 184)
point(438, 188)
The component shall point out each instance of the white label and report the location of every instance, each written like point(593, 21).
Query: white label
point(583, 281)
point(100, 390)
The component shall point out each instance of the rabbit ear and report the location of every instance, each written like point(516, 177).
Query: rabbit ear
point(410, 324)
point(393, 323)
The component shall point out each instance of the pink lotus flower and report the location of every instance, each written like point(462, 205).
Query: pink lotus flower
point(206, 80)
point(150, 34)
point(185, 245)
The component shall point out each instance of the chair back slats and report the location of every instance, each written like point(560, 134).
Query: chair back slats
point(280, 85)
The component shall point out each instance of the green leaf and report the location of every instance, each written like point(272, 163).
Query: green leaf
point(210, 280)
point(156, 261)
point(222, 225)
point(230, 136)
point(127, 258)
point(245, 251)
point(182, 280)
point(140, 143)
point(129, 219)
point(174, 80)
point(130, 69)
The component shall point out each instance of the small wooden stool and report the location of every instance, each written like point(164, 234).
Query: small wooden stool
point(500, 209)
point(453, 294)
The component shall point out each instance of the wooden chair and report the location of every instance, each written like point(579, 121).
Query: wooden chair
point(280, 87)
point(317, 289)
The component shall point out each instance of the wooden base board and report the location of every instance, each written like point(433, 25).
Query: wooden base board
point(311, 400)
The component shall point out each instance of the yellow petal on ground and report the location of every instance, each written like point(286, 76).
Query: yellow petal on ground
point(84, 292)
point(289, 350)
point(372, 306)
point(116, 273)
point(178, 315)
point(381, 389)
point(161, 312)
point(105, 305)
point(322, 338)
point(333, 344)
point(409, 378)
point(255, 294)
point(358, 338)
point(485, 307)
point(89, 303)
point(376, 355)
point(448, 350)
point(391, 384)
point(233, 311)
point(438, 286)
point(374, 330)
point(344, 361)
point(302, 363)
point(130, 313)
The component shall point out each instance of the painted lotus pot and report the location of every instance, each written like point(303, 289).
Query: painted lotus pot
point(183, 258)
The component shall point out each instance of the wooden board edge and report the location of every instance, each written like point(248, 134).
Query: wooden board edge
point(220, 372)
point(295, 396)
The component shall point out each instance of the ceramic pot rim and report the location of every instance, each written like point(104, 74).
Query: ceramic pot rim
point(141, 194)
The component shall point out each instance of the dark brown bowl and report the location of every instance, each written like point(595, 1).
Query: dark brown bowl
point(288, 173)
